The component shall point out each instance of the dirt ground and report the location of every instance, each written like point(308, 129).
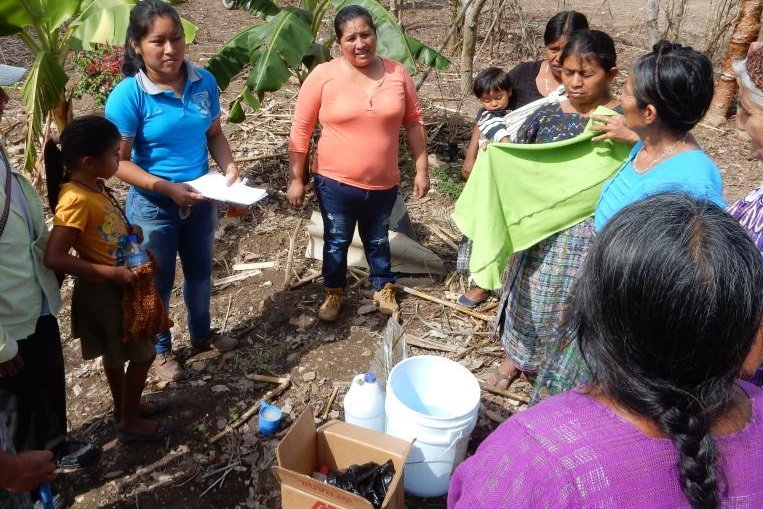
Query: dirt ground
point(279, 331)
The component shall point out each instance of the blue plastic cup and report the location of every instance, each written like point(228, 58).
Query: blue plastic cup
point(270, 417)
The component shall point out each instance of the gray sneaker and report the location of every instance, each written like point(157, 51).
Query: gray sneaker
point(167, 367)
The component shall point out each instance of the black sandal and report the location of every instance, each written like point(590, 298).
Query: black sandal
point(75, 454)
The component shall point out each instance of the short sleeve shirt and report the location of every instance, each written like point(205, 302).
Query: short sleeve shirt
point(103, 232)
point(691, 172)
point(524, 90)
point(169, 133)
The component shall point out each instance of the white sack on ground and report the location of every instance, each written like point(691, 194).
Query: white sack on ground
point(408, 256)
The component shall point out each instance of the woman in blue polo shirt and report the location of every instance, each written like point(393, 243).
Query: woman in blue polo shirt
point(167, 111)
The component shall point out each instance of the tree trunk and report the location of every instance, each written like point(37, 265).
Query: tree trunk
point(651, 11)
point(394, 9)
point(745, 32)
point(469, 42)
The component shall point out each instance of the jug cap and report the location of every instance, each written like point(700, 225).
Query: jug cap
point(369, 377)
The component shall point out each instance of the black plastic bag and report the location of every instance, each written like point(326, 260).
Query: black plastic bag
point(369, 481)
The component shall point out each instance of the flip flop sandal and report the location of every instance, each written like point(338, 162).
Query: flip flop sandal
point(74, 454)
point(131, 437)
point(499, 377)
point(465, 301)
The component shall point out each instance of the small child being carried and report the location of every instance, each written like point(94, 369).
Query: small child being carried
point(88, 218)
point(493, 88)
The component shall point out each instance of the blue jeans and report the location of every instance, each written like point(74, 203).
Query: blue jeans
point(342, 206)
point(166, 235)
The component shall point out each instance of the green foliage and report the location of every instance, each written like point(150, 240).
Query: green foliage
point(52, 30)
point(99, 72)
point(286, 43)
point(448, 181)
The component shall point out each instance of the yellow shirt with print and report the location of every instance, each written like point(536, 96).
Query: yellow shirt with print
point(103, 232)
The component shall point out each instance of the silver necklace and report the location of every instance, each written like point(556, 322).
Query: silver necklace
point(662, 155)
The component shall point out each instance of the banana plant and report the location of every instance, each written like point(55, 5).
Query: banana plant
point(52, 30)
point(286, 43)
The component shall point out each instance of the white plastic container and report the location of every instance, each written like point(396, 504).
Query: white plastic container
point(435, 401)
point(364, 403)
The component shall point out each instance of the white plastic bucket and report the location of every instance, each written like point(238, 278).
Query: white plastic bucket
point(435, 401)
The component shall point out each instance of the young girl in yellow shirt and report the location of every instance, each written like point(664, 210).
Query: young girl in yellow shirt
point(89, 219)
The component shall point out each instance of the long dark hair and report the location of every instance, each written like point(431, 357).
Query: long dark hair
point(677, 81)
point(141, 18)
point(349, 13)
point(89, 135)
point(593, 44)
point(666, 308)
point(562, 24)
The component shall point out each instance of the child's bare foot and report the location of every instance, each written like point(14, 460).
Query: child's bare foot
point(503, 375)
point(143, 430)
point(139, 425)
point(474, 297)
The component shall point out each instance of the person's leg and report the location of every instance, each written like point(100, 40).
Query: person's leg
point(10, 500)
point(41, 420)
point(159, 220)
point(134, 383)
point(116, 379)
point(53, 378)
point(340, 206)
point(373, 227)
point(196, 247)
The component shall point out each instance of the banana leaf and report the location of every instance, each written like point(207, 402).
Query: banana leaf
point(264, 9)
point(42, 91)
point(47, 14)
point(106, 21)
point(271, 50)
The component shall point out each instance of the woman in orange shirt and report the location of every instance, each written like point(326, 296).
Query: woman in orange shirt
point(360, 100)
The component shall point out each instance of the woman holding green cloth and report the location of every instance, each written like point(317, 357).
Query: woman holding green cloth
point(667, 93)
point(537, 281)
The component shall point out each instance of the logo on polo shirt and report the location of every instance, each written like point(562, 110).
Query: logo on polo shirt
point(202, 102)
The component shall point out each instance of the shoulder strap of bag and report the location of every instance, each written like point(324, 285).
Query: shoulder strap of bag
point(7, 204)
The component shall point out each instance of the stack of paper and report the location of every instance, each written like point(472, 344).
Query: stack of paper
point(212, 185)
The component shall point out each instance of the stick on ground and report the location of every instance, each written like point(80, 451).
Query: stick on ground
point(438, 300)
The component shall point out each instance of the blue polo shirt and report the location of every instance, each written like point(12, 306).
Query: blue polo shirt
point(168, 133)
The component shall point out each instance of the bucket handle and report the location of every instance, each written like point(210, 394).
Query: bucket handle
point(450, 440)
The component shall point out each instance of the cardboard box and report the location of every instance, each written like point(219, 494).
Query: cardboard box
point(336, 444)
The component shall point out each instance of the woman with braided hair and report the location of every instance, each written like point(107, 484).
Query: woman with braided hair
point(667, 313)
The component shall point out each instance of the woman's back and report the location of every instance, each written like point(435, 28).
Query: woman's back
point(571, 451)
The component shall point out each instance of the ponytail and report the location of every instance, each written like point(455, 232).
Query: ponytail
point(55, 172)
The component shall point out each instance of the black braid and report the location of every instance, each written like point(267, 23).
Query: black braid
point(665, 310)
point(697, 454)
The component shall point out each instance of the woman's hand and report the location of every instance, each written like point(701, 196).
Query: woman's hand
point(183, 194)
point(122, 276)
point(232, 175)
point(612, 128)
point(296, 193)
point(421, 184)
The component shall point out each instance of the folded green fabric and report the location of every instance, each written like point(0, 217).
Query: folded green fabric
point(519, 194)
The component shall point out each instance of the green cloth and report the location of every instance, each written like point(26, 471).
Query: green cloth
point(520, 194)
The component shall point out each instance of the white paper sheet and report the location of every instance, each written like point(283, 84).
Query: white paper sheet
point(212, 185)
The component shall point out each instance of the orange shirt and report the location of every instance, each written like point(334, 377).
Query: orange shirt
point(102, 230)
point(359, 136)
